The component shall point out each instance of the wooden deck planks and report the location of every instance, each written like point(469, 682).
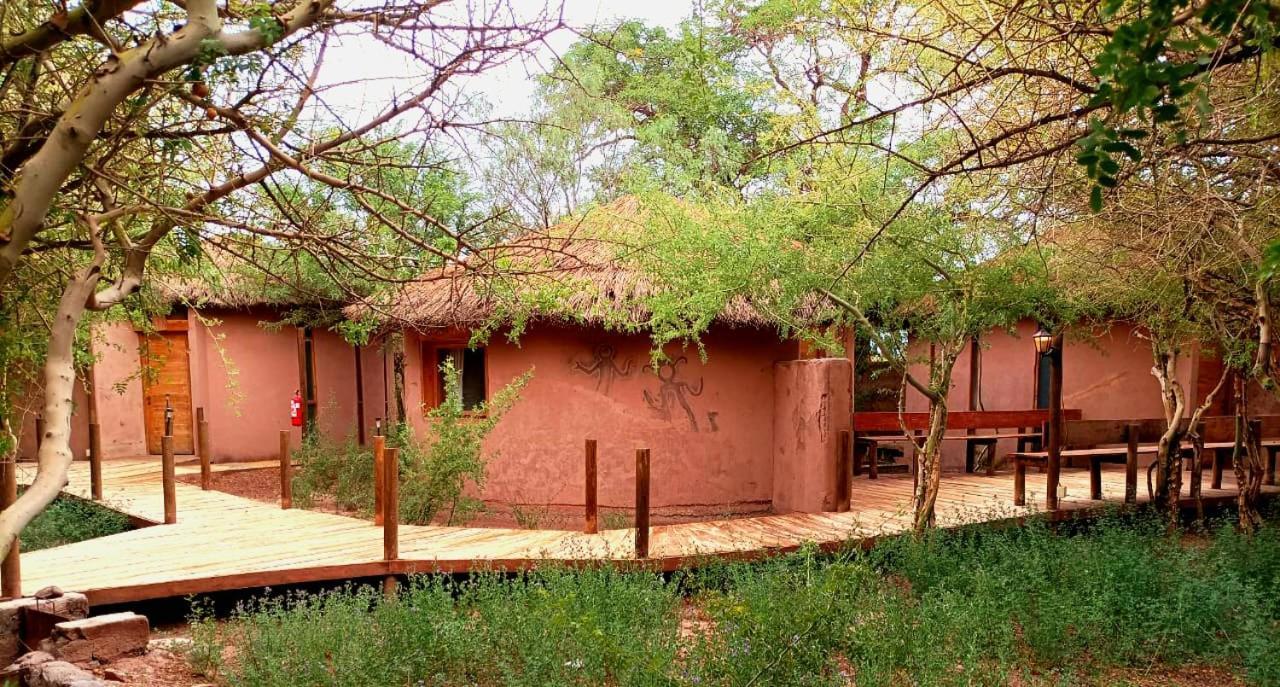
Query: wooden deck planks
point(223, 541)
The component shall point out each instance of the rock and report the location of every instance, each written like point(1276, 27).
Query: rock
point(102, 637)
point(66, 604)
point(115, 675)
point(176, 645)
point(51, 673)
point(50, 592)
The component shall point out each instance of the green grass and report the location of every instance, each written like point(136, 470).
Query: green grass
point(967, 607)
point(68, 520)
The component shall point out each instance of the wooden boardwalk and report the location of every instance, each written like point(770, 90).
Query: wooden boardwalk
point(223, 542)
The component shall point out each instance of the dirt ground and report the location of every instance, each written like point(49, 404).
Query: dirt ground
point(264, 485)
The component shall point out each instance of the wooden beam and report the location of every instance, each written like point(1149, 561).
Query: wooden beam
point(642, 503)
point(844, 471)
point(391, 514)
point(592, 522)
point(286, 471)
point(379, 466)
point(11, 567)
point(360, 431)
point(960, 419)
point(167, 477)
point(202, 445)
point(95, 461)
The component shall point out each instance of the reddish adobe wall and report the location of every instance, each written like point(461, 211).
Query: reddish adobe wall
point(709, 425)
point(31, 405)
point(1106, 374)
point(812, 400)
point(242, 373)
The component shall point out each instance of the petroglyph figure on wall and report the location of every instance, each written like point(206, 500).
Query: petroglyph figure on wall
point(604, 366)
point(672, 391)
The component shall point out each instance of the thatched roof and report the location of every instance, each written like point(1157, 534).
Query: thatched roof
point(574, 272)
point(237, 281)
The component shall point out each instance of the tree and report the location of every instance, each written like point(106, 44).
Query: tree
point(136, 134)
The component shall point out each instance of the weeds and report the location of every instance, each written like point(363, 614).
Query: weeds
point(976, 606)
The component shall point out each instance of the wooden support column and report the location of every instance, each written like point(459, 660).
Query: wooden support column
point(286, 472)
point(39, 432)
point(1270, 475)
point(95, 461)
point(844, 472)
point(1055, 426)
point(1131, 463)
point(1019, 482)
point(1216, 478)
point(202, 445)
point(167, 473)
point(11, 567)
point(590, 498)
point(1095, 478)
point(379, 478)
point(642, 503)
point(975, 390)
point(391, 514)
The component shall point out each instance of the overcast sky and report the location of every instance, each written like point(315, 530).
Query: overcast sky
point(372, 75)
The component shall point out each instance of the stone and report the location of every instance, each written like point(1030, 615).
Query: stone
point(115, 675)
point(102, 637)
point(58, 674)
point(67, 604)
point(50, 592)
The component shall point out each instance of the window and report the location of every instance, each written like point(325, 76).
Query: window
point(470, 364)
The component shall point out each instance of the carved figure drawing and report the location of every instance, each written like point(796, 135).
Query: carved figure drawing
point(672, 391)
point(604, 367)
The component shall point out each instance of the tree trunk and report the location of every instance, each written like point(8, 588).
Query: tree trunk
point(929, 468)
point(1246, 461)
point(1168, 484)
point(55, 456)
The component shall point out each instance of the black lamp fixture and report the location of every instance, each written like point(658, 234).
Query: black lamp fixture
point(1043, 340)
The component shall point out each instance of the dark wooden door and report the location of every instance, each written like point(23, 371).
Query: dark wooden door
point(166, 374)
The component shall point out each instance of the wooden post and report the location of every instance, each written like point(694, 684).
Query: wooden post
point(39, 432)
point(360, 437)
point(379, 468)
point(391, 514)
point(167, 477)
point(1216, 478)
point(1019, 482)
point(873, 460)
point(286, 472)
point(202, 437)
point(1131, 463)
point(642, 503)
point(844, 472)
point(592, 524)
point(1055, 426)
point(11, 567)
point(975, 391)
point(95, 461)
point(1270, 475)
point(1095, 478)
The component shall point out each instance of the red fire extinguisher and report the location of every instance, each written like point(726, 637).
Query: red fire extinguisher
point(295, 409)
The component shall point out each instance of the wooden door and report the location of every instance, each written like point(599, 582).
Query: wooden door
point(166, 373)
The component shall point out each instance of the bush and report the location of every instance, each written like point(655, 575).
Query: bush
point(68, 520)
point(434, 475)
point(980, 606)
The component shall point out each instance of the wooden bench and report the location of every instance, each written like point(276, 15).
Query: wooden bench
point(870, 429)
point(1219, 434)
point(1122, 441)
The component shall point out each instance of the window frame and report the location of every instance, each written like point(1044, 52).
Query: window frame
point(432, 381)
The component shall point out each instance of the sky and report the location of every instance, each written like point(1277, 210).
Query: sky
point(364, 76)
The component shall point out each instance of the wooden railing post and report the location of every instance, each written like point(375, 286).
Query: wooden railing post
point(1019, 482)
point(202, 439)
point(286, 472)
point(592, 524)
point(844, 471)
point(1216, 475)
point(169, 483)
point(1131, 463)
point(391, 514)
point(95, 461)
point(39, 432)
point(379, 467)
point(11, 567)
point(642, 503)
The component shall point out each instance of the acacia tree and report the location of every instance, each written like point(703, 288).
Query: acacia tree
point(137, 134)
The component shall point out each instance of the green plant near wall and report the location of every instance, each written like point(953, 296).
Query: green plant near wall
point(436, 474)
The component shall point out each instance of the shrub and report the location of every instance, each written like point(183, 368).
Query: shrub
point(68, 520)
point(343, 470)
point(435, 475)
